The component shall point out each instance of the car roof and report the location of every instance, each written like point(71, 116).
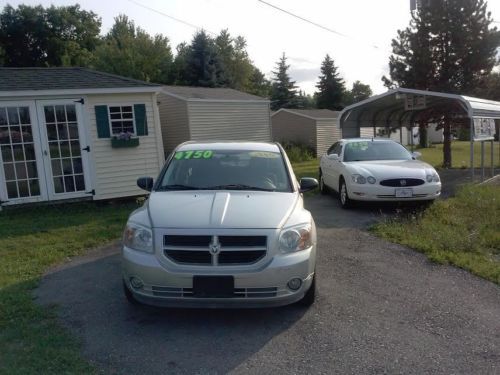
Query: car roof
point(229, 145)
point(351, 140)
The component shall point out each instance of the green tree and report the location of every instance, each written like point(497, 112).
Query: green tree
point(129, 51)
point(489, 88)
point(283, 89)
point(54, 36)
point(449, 46)
point(359, 92)
point(331, 86)
point(258, 84)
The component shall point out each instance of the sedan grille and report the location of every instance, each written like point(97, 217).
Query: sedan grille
point(214, 250)
point(402, 182)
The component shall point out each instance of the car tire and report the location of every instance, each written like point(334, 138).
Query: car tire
point(323, 189)
point(310, 295)
point(345, 201)
point(129, 295)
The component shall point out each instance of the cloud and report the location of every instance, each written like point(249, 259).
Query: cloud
point(304, 74)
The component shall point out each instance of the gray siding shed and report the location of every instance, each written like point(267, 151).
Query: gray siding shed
point(211, 114)
point(315, 128)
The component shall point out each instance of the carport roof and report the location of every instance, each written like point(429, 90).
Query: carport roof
point(388, 109)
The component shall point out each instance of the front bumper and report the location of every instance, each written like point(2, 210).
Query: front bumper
point(376, 192)
point(264, 286)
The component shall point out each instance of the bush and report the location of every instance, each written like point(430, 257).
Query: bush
point(299, 152)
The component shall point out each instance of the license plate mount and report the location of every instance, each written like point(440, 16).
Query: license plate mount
point(404, 192)
point(213, 286)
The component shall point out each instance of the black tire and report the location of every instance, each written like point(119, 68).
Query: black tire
point(323, 189)
point(345, 201)
point(130, 297)
point(310, 295)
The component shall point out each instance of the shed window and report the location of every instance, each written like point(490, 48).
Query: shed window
point(121, 119)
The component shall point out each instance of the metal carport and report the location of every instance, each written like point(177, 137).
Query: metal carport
point(404, 107)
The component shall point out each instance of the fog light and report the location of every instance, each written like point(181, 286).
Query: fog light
point(136, 283)
point(295, 284)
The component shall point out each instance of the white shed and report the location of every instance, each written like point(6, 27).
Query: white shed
point(207, 114)
point(75, 133)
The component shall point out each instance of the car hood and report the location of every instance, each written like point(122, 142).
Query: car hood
point(220, 209)
point(390, 168)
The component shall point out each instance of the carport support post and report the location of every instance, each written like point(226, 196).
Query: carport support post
point(482, 161)
point(492, 157)
point(472, 148)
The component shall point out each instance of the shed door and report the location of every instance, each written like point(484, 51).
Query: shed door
point(64, 148)
point(21, 167)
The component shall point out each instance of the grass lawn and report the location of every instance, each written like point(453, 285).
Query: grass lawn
point(306, 168)
point(462, 231)
point(31, 241)
point(460, 154)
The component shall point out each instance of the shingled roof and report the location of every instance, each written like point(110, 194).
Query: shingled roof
point(28, 79)
point(315, 114)
point(209, 93)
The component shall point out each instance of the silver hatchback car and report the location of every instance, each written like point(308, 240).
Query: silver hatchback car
point(224, 226)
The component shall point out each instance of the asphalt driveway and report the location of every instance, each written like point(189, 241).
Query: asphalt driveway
point(382, 308)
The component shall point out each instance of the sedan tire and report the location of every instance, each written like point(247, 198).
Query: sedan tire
point(323, 189)
point(130, 297)
point(344, 199)
point(310, 295)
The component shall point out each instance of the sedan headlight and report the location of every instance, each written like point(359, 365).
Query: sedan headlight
point(371, 180)
point(296, 238)
point(432, 177)
point(358, 179)
point(138, 237)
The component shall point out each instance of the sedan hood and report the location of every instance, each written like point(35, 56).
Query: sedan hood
point(383, 169)
point(209, 209)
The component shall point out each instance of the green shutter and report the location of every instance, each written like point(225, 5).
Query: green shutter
point(141, 123)
point(102, 121)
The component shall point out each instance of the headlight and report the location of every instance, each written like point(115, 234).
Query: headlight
point(138, 238)
point(296, 238)
point(371, 179)
point(358, 179)
point(432, 177)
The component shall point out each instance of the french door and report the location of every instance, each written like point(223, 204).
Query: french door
point(41, 151)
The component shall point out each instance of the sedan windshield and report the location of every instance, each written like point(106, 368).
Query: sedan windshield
point(370, 150)
point(226, 170)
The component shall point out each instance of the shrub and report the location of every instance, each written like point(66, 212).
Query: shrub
point(298, 152)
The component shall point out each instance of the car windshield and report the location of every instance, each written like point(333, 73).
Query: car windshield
point(375, 150)
point(226, 170)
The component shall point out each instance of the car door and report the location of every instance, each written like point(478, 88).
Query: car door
point(326, 165)
point(336, 167)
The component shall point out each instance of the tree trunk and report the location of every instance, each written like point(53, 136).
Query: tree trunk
point(447, 144)
point(422, 131)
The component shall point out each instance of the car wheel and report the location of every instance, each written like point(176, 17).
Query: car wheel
point(345, 201)
point(322, 187)
point(310, 295)
point(129, 295)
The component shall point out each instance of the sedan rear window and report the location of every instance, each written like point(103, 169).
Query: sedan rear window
point(226, 170)
point(369, 150)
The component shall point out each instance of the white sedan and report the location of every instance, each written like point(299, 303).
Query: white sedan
point(376, 170)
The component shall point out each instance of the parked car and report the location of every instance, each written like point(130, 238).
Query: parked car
point(376, 170)
point(224, 226)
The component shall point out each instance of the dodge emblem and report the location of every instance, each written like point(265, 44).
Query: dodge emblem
point(214, 245)
point(402, 182)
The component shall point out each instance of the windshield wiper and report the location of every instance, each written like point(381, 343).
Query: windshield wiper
point(237, 187)
point(177, 187)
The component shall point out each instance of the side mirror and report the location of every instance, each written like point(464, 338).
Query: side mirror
point(145, 183)
point(415, 155)
point(307, 184)
point(333, 157)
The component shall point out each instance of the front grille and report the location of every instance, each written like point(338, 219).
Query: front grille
point(402, 182)
point(241, 257)
point(398, 198)
point(190, 256)
point(214, 250)
point(176, 292)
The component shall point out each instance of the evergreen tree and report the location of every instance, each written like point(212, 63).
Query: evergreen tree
point(449, 47)
point(258, 84)
point(331, 86)
point(283, 90)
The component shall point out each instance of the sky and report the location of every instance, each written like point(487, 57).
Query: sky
point(360, 44)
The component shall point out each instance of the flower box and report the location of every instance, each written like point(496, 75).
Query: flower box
point(121, 143)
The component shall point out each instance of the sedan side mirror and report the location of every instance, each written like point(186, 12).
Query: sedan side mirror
point(333, 157)
point(307, 184)
point(415, 155)
point(145, 183)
